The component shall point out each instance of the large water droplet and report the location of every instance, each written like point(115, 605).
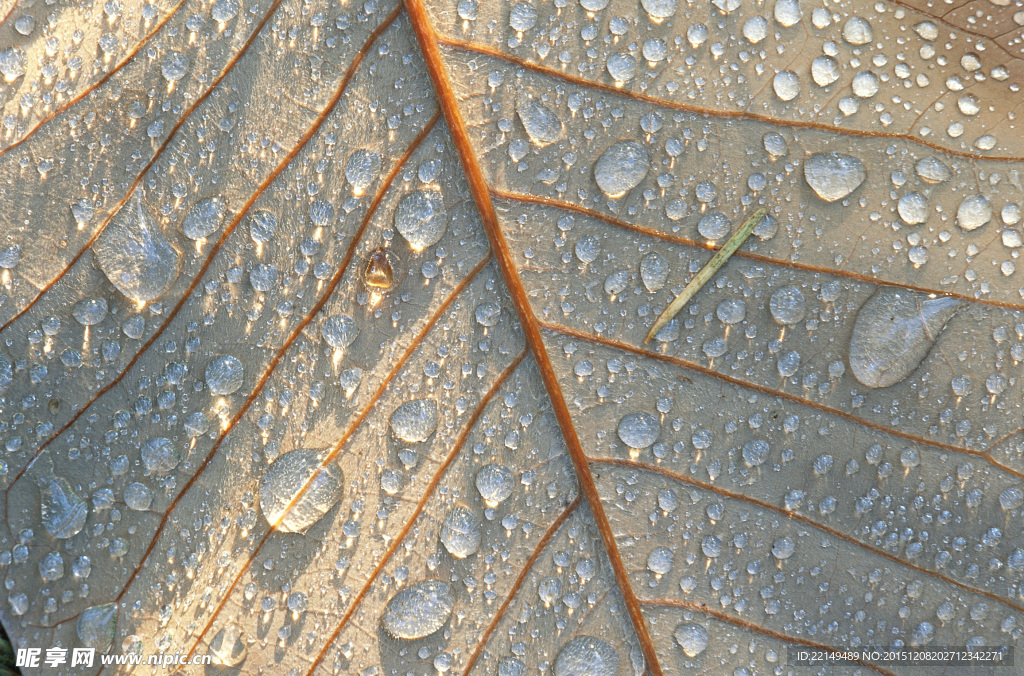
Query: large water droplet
point(639, 430)
point(541, 124)
point(756, 452)
point(894, 332)
point(788, 305)
point(95, 627)
point(621, 168)
point(414, 421)
point(339, 331)
point(286, 477)
point(418, 611)
point(228, 647)
point(9, 256)
point(974, 211)
point(833, 176)
point(90, 311)
point(224, 374)
point(586, 656)
point(421, 219)
point(460, 532)
point(654, 271)
point(913, 208)
point(361, 169)
point(932, 170)
point(262, 226)
point(174, 66)
point(63, 510)
point(523, 17)
point(204, 218)
point(134, 255)
point(692, 638)
point(495, 483)
point(659, 9)
point(857, 31)
point(160, 456)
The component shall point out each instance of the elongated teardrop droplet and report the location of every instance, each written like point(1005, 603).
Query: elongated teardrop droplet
point(894, 331)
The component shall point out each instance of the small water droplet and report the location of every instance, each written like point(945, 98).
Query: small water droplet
point(541, 124)
point(495, 483)
point(654, 271)
point(361, 169)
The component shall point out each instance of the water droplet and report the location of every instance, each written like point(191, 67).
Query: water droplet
point(786, 85)
point(714, 226)
point(228, 647)
point(339, 331)
point(788, 306)
point(9, 256)
point(833, 176)
point(639, 430)
point(523, 17)
point(1011, 498)
point(824, 71)
point(321, 213)
point(756, 452)
point(204, 218)
point(857, 31)
point(263, 277)
point(418, 611)
point(51, 568)
point(731, 311)
point(420, 218)
point(913, 208)
point(692, 638)
point(586, 656)
point(541, 124)
point(90, 311)
point(622, 67)
point(775, 144)
point(755, 29)
point(659, 9)
point(95, 627)
point(414, 421)
point(711, 545)
point(138, 497)
point(135, 256)
point(587, 249)
point(660, 560)
point(224, 374)
point(488, 313)
point(262, 226)
point(460, 532)
point(495, 483)
point(974, 211)
point(63, 510)
point(621, 168)
point(12, 63)
point(865, 84)
point(894, 332)
point(361, 169)
point(286, 477)
point(788, 12)
point(160, 456)
point(932, 170)
point(783, 548)
point(654, 271)
point(224, 10)
point(174, 66)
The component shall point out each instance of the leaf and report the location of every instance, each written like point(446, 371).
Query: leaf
point(329, 320)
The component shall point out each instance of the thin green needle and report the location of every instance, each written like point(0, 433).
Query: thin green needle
point(707, 271)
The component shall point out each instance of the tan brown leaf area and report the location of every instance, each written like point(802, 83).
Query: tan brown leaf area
point(322, 333)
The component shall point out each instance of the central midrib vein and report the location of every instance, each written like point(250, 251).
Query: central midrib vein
point(427, 38)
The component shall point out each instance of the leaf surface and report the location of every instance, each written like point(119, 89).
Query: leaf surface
point(323, 332)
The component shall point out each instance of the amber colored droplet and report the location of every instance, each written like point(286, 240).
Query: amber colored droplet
point(379, 272)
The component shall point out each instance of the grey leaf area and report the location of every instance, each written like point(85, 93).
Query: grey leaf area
point(270, 393)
